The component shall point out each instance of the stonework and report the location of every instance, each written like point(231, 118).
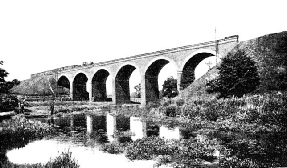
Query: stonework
point(87, 81)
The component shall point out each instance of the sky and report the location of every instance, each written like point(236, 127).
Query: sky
point(37, 35)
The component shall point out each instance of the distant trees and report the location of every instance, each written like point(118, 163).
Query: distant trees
point(4, 85)
point(138, 91)
point(169, 88)
point(237, 76)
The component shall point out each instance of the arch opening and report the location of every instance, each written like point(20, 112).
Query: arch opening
point(122, 86)
point(188, 72)
point(152, 92)
point(80, 87)
point(63, 85)
point(99, 86)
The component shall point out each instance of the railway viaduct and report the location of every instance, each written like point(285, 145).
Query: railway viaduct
point(88, 82)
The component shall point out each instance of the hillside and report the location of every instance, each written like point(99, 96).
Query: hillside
point(270, 54)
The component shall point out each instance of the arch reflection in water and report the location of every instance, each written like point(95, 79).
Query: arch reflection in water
point(169, 133)
point(96, 128)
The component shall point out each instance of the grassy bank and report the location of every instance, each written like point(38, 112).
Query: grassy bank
point(64, 160)
point(18, 131)
point(248, 132)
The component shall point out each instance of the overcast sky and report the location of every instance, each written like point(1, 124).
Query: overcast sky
point(38, 35)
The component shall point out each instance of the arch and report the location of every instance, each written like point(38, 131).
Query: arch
point(122, 87)
point(159, 58)
point(99, 88)
point(151, 78)
point(63, 85)
point(189, 65)
point(63, 81)
point(80, 87)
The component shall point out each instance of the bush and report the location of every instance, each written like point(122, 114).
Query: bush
point(62, 161)
point(179, 102)
point(187, 152)
point(18, 131)
point(171, 111)
point(237, 76)
point(113, 148)
point(8, 102)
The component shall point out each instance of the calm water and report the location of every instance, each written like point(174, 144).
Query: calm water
point(82, 134)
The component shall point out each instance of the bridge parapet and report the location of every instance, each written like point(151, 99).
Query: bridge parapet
point(228, 39)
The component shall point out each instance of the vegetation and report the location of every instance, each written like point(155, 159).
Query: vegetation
point(8, 102)
point(65, 160)
point(18, 131)
point(184, 152)
point(237, 76)
point(169, 88)
point(4, 85)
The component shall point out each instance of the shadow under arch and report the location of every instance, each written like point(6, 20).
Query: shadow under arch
point(151, 78)
point(189, 65)
point(122, 86)
point(99, 86)
point(80, 87)
point(63, 85)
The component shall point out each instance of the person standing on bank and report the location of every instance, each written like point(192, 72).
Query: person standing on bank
point(52, 106)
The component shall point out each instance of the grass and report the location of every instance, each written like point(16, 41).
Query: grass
point(19, 131)
point(64, 160)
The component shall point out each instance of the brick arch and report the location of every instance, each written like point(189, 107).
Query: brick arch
point(151, 73)
point(121, 85)
point(99, 89)
point(190, 63)
point(80, 87)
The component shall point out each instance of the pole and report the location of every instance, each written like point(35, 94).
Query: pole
point(216, 47)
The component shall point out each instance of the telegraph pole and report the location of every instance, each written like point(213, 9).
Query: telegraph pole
point(216, 47)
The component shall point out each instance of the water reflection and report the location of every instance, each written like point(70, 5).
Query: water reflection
point(88, 131)
point(109, 128)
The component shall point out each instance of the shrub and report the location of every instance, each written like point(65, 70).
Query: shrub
point(237, 76)
point(179, 102)
point(8, 102)
point(113, 148)
point(187, 152)
point(171, 111)
point(18, 131)
point(62, 161)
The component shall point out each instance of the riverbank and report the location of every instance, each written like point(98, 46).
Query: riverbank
point(246, 132)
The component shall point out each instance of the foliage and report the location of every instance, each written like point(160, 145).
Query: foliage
point(65, 160)
point(271, 51)
point(237, 76)
point(186, 151)
point(8, 102)
point(169, 88)
point(18, 131)
point(252, 130)
point(138, 90)
point(4, 85)
point(113, 148)
point(179, 102)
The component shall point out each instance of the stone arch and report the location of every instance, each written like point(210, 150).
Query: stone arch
point(80, 87)
point(189, 65)
point(99, 87)
point(63, 85)
point(151, 90)
point(122, 87)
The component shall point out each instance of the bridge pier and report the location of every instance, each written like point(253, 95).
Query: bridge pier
point(179, 88)
point(90, 90)
point(71, 90)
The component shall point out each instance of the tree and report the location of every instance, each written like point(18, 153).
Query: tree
point(3, 74)
point(169, 88)
point(138, 90)
point(4, 85)
point(237, 76)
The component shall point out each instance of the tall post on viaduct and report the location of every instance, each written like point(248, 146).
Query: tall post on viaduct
point(88, 82)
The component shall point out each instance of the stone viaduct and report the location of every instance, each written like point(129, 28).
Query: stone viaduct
point(88, 82)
